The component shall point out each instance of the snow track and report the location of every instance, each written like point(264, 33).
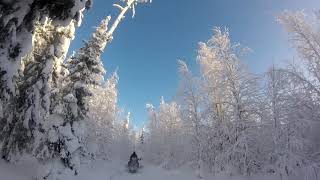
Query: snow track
point(115, 170)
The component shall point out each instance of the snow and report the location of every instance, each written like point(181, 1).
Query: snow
point(70, 98)
point(72, 145)
point(53, 120)
point(66, 130)
point(20, 13)
point(52, 136)
point(21, 171)
point(27, 118)
point(1, 110)
point(79, 128)
point(115, 170)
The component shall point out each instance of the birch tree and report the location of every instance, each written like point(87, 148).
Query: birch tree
point(233, 98)
point(165, 135)
point(303, 124)
point(191, 101)
point(102, 117)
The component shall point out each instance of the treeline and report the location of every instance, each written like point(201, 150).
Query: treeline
point(229, 120)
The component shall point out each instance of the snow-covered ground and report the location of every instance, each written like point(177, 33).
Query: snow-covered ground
point(113, 170)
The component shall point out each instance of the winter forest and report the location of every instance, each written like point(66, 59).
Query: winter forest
point(60, 118)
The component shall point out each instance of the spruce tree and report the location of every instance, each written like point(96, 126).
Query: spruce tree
point(17, 24)
point(37, 86)
point(64, 137)
point(65, 134)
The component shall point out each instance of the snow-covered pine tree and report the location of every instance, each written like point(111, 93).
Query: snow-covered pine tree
point(86, 71)
point(141, 144)
point(17, 21)
point(66, 132)
point(141, 136)
point(86, 67)
point(64, 135)
point(39, 80)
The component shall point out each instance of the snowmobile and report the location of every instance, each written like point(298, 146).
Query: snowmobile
point(133, 165)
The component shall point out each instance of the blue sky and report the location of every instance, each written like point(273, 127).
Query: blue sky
point(145, 49)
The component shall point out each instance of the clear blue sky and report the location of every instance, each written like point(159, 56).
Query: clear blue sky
point(145, 49)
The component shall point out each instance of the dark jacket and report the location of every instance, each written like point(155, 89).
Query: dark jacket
point(133, 155)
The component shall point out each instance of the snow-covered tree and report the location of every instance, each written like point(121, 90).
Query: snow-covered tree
point(102, 118)
point(234, 95)
point(65, 137)
point(191, 100)
point(17, 21)
point(300, 129)
point(43, 108)
point(169, 114)
point(152, 135)
point(64, 134)
point(231, 124)
point(40, 78)
point(279, 108)
point(305, 37)
point(141, 136)
point(164, 141)
point(125, 137)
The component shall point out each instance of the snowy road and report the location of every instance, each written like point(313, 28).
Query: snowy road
point(99, 170)
point(102, 170)
point(117, 171)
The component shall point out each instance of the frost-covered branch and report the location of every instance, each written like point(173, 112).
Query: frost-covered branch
point(130, 4)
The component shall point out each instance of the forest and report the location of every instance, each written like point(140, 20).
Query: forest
point(61, 112)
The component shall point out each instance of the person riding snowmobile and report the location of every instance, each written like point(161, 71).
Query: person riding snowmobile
point(133, 163)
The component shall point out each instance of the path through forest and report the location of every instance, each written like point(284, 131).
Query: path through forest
point(115, 170)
